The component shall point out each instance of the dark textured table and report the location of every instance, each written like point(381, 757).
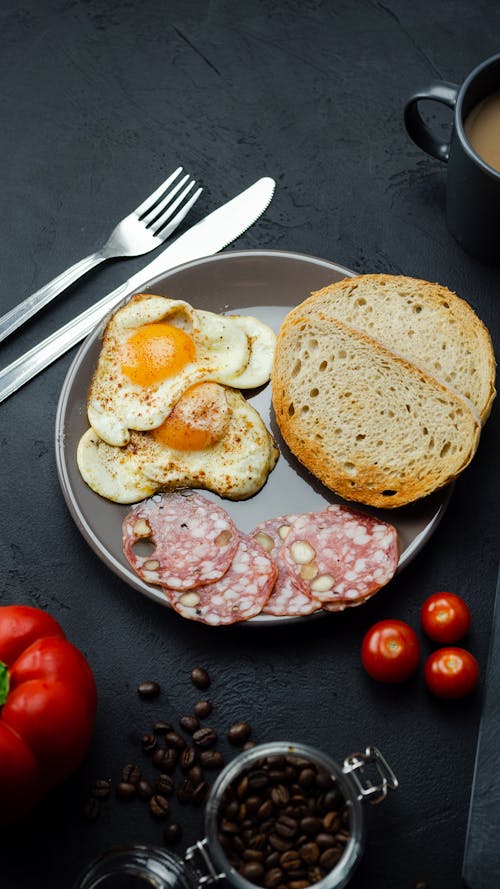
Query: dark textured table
point(98, 101)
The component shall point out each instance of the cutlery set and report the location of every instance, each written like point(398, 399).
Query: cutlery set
point(148, 226)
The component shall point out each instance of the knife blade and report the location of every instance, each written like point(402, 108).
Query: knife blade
point(206, 237)
point(481, 864)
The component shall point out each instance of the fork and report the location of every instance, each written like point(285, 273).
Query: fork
point(138, 233)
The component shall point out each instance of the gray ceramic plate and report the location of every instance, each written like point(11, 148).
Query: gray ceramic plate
point(264, 283)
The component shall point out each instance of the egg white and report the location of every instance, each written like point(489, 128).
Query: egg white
point(235, 467)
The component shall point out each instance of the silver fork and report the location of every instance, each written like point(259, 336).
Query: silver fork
point(141, 231)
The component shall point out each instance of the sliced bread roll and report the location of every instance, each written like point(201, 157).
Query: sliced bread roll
point(425, 323)
point(369, 424)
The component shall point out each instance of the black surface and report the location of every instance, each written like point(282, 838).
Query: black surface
point(481, 869)
point(98, 101)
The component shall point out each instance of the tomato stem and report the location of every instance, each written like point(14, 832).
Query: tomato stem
point(4, 683)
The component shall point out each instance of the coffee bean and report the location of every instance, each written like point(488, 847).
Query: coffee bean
point(332, 821)
point(148, 743)
point(144, 789)
point(195, 774)
point(125, 790)
point(265, 810)
point(258, 780)
point(172, 833)
point(238, 733)
point(200, 678)
point(280, 795)
point(205, 737)
point(101, 788)
point(190, 724)
point(149, 689)
point(173, 739)
point(279, 843)
point(199, 793)
point(307, 777)
point(286, 827)
point(253, 855)
point(325, 840)
point(309, 853)
point(272, 878)
point(310, 825)
point(131, 773)
point(211, 759)
point(161, 727)
point(185, 791)
point(203, 709)
point(164, 785)
point(248, 745)
point(165, 759)
point(252, 871)
point(421, 884)
point(158, 806)
point(187, 759)
point(298, 884)
point(290, 860)
point(92, 808)
point(329, 858)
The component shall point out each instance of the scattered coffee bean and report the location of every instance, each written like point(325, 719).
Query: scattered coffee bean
point(148, 689)
point(101, 788)
point(173, 739)
point(161, 727)
point(144, 789)
point(211, 759)
point(165, 758)
point(200, 793)
point(248, 745)
point(283, 823)
point(421, 884)
point(158, 806)
point(125, 790)
point(200, 678)
point(185, 791)
point(164, 785)
point(131, 773)
point(203, 709)
point(205, 737)
point(172, 833)
point(195, 774)
point(187, 759)
point(92, 808)
point(148, 743)
point(238, 733)
point(190, 724)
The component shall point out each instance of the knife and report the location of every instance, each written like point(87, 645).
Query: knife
point(481, 864)
point(205, 238)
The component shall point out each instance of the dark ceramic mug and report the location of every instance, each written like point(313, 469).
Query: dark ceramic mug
point(472, 186)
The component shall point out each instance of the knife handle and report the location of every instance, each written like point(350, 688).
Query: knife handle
point(29, 365)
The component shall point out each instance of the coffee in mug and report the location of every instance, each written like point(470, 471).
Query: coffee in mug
point(472, 155)
point(482, 128)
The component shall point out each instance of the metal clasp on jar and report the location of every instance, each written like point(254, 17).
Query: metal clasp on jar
point(198, 857)
point(356, 764)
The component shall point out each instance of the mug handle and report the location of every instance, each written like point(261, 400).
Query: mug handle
point(439, 91)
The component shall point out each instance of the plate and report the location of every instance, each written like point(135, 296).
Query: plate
point(265, 283)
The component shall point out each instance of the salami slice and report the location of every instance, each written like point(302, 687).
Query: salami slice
point(341, 556)
point(194, 540)
point(287, 598)
point(239, 595)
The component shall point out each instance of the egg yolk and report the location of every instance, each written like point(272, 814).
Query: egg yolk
point(156, 352)
point(198, 420)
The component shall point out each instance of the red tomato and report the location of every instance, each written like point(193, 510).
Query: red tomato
point(451, 672)
point(445, 617)
point(390, 651)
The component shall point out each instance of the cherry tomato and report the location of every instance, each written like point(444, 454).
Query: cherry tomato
point(445, 617)
point(390, 651)
point(451, 672)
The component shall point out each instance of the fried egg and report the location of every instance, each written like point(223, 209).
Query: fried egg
point(213, 439)
point(154, 349)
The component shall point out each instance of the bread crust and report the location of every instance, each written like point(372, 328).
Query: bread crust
point(368, 423)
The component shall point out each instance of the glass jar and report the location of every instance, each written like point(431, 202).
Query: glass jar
point(363, 777)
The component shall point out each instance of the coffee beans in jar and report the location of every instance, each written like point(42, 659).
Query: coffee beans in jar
point(283, 822)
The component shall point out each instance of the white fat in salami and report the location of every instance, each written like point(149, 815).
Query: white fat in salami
point(340, 556)
point(287, 598)
point(239, 595)
point(194, 540)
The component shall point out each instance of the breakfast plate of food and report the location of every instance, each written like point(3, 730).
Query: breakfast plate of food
point(239, 450)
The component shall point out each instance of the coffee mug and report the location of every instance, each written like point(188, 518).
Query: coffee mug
point(473, 184)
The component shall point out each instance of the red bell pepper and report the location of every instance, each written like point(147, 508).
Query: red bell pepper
point(47, 708)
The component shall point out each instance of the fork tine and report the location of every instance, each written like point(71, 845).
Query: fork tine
point(156, 224)
point(151, 215)
point(151, 200)
point(172, 225)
